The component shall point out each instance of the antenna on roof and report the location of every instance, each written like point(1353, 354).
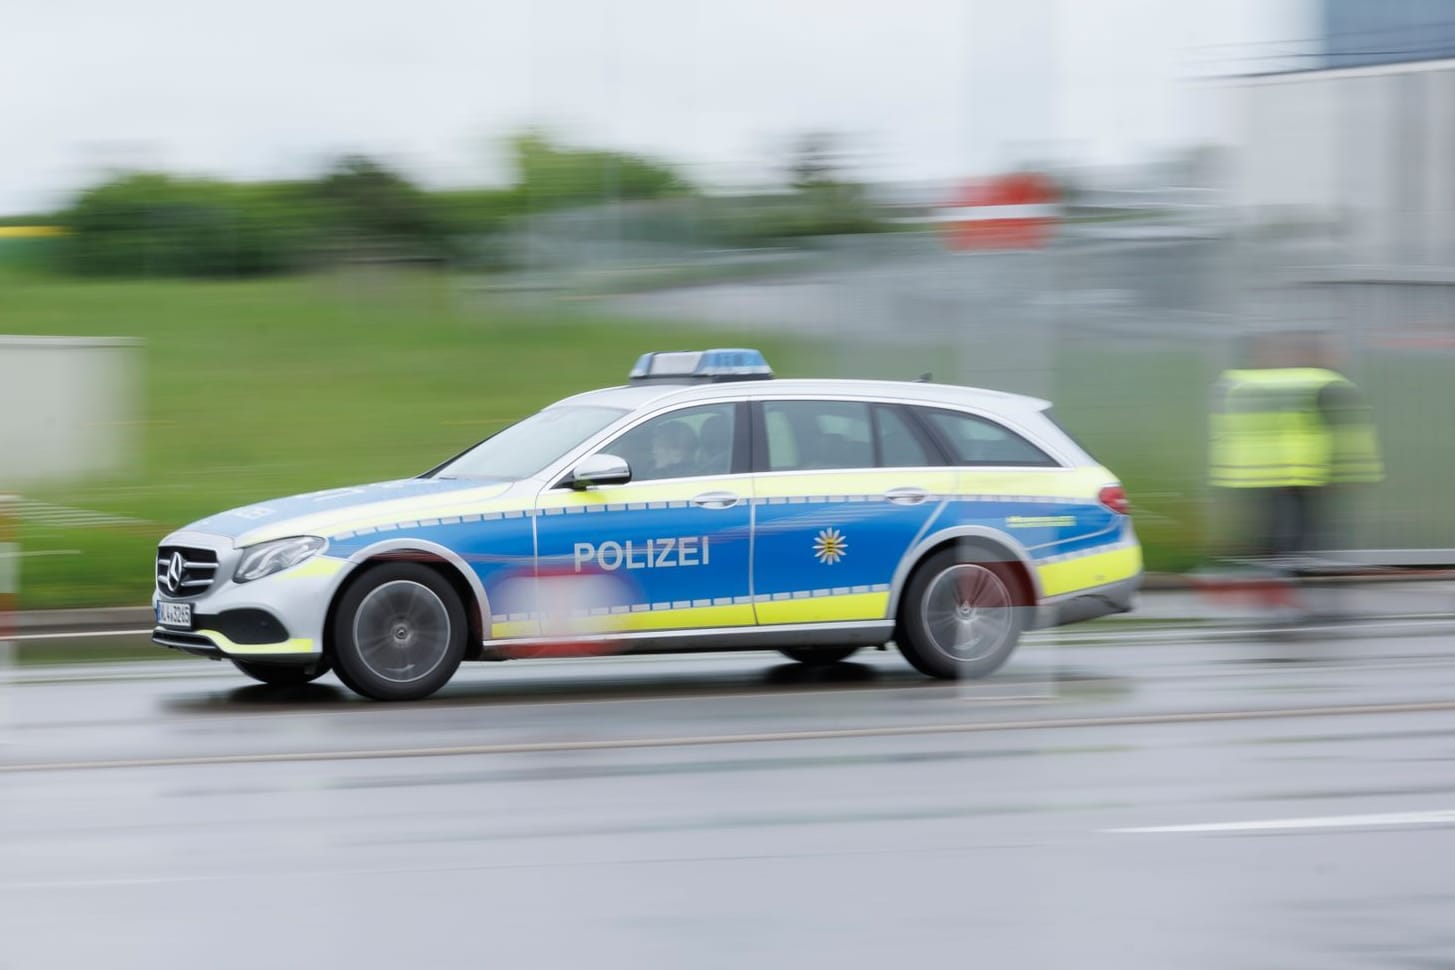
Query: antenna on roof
point(924, 378)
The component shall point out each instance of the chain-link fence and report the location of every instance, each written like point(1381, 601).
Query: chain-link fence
point(1125, 326)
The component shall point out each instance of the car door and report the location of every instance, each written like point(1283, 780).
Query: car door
point(667, 550)
point(841, 490)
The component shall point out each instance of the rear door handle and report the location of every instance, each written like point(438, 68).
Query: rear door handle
point(716, 500)
point(908, 495)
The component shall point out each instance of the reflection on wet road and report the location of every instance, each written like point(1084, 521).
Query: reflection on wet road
point(1149, 803)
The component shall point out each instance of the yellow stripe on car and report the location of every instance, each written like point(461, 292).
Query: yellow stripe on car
point(1090, 571)
point(295, 645)
point(824, 609)
point(692, 616)
point(315, 568)
point(386, 513)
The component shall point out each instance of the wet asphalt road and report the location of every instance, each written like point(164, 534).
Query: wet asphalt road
point(740, 811)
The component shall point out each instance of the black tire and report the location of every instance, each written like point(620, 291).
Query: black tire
point(284, 674)
point(818, 656)
point(967, 593)
point(399, 633)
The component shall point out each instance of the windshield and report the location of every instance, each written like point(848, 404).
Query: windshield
point(528, 446)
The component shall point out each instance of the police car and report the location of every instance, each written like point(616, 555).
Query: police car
point(705, 505)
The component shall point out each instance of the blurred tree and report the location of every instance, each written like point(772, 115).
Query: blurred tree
point(154, 224)
point(551, 176)
point(828, 201)
point(149, 224)
point(815, 161)
point(361, 201)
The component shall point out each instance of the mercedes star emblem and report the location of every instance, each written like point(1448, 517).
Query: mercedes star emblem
point(174, 574)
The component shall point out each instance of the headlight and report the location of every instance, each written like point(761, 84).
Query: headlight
point(267, 558)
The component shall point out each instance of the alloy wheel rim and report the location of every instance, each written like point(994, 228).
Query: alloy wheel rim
point(402, 631)
point(967, 612)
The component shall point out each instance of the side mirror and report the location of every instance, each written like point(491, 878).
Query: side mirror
point(600, 470)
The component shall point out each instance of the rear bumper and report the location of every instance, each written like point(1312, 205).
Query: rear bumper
point(1117, 597)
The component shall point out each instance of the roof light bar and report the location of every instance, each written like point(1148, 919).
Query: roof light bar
point(701, 366)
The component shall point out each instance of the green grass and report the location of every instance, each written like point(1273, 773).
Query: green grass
point(1142, 411)
point(260, 389)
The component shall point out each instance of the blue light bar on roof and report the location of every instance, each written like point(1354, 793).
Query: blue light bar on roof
point(704, 366)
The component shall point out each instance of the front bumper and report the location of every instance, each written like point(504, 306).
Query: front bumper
point(278, 618)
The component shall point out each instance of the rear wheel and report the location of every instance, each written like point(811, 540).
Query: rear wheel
point(399, 633)
point(818, 656)
point(962, 614)
point(283, 675)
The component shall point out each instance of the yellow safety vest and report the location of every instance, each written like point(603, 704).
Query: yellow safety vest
point(1269, 432)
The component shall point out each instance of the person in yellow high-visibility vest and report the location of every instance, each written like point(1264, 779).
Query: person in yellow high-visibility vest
point(1289, 434)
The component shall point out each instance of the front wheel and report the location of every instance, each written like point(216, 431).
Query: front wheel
point(399, 633)
point(283, 675)
point(818, 656)
point(961, 616)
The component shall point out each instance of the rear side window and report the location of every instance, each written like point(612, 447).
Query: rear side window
point(1064, 430)
point(899, 444)
point(973, 440)
point(818, 434)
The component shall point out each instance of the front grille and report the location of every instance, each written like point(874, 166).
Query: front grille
point(198, 569)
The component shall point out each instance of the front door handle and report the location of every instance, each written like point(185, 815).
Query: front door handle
point(716, 500)
point(908, 495)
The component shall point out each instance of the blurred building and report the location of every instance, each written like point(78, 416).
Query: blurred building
point(1360, 146)
point(1343, 180)
point(1358, 33)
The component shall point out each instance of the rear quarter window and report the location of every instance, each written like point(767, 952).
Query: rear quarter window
point(973, 440)
point(1055, 423)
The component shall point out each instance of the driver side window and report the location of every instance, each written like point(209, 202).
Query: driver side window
point(680, 444)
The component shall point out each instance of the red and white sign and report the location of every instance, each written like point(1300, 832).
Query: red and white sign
point(1017, 211)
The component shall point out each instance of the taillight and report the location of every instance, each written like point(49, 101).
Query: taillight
point(1114, 497)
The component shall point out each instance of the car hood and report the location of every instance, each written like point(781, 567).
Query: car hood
point(335, 511)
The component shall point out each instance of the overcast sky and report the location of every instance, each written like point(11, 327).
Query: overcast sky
point(925, 88)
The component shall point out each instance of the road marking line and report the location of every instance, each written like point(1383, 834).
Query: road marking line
point(80, 635)
point(538, 747)
point(1298, 824)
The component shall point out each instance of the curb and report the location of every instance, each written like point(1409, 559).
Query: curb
point(1201, 582)
point(103, 618)
point(140, 617)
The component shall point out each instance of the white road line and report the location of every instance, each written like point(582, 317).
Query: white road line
point(1300, 824)
point(80, 635)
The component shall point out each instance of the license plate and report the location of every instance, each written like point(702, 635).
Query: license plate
point(175, 614)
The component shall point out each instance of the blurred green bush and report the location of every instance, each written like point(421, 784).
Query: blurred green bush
point(159, 225)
